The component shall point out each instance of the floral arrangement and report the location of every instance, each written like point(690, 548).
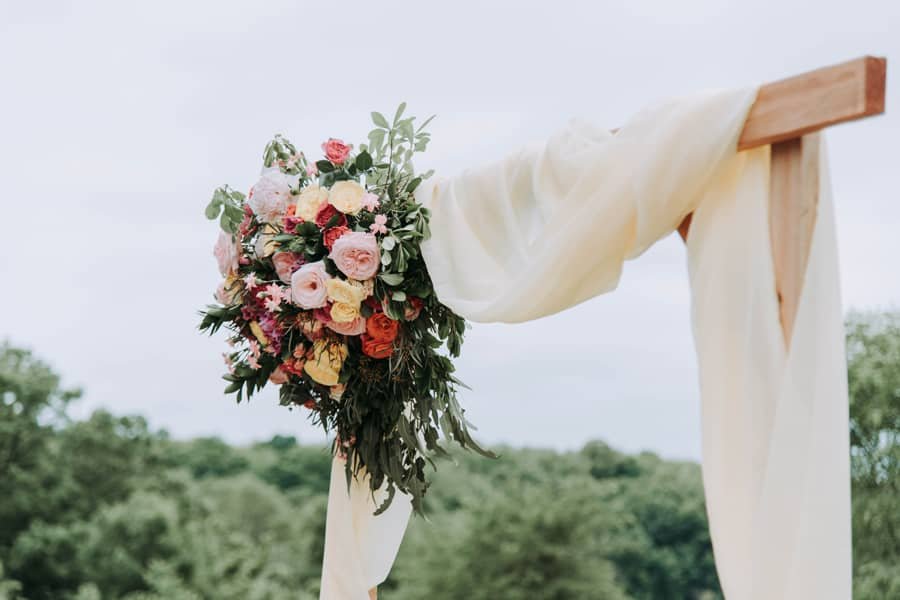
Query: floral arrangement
point(326, 295)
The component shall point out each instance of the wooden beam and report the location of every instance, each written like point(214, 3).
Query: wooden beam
point(793, 205)
point(794, 107)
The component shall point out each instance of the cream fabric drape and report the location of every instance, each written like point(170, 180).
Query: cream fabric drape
point(550, 227)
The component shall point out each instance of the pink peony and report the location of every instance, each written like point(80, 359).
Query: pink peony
point(308, 285)
point(336, 150)
point(354, 327)
point(356, 255)
point(285, 264)
point(227, 251)
point(271, 196)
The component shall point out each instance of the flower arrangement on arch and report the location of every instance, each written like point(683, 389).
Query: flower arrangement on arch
point(326, 295)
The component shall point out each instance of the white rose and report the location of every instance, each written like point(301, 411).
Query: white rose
point(310, 201)
point(346, 196)
point(270, 197)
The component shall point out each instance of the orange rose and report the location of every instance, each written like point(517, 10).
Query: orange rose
point(382, 328)
point(375, 348)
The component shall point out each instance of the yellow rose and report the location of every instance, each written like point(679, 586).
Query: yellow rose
point(265, 243)
point(344, 313)
point(345, 292)
point(258, 332)
point(346, 196)
point(310, 201)
point(325, 365)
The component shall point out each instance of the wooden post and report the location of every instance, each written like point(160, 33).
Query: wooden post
point(793, 203)
point(786, 115)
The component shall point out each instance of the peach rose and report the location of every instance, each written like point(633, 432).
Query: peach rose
point(278, 376)
point(227, 252)
point(354, 327)
point(285, 264)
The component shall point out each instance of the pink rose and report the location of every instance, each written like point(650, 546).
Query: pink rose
point(271, 196)
point(285, 264)
point(336, 150)
point(308, 285)
point(354, 327)
point(356, 255)
point(413, 309)
point(227, 251)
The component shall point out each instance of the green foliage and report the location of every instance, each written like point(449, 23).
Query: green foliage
point(104, 509)
point(873, 352)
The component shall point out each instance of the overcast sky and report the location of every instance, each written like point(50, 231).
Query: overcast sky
point(118, 119)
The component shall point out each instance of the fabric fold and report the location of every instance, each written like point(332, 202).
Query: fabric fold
point(550, 227)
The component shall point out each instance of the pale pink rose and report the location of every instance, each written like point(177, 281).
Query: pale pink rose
point(278, 376)
point(308, 288)
point(227, 251)
point(336, 150)
point(356, 255)
point(354, 327)
point(285, 264)
point(271, 196)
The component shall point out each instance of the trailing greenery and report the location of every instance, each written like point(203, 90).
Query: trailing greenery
point(106, 509)
point(390, 408)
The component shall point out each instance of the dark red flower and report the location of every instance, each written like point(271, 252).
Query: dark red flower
point(325, 215)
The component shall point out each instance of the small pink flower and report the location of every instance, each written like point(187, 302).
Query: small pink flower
point(370, 201)
point(274, 292)
point(336, 150)
point(250, 281)
point(379, 225)
point(272, 305)
point(312, 170)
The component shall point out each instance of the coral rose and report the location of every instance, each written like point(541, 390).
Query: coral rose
point(347, 197)
point(336, 150)
point(375, 349)
point(382, 328)
point(356, 255)
point(331, 235)
point(326, 213)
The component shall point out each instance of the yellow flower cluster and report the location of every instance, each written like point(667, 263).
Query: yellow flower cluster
point(346, 296)
point(328, 357)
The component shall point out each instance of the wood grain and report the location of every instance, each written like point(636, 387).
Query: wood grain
point(793, 205)
point(792, 107)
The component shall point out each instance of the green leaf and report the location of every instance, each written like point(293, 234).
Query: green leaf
point(388, 243)
point(398, 296)
point(364, 161)
point(391, 278)
point(379, 120)
point(399, 112)
point(325, 166)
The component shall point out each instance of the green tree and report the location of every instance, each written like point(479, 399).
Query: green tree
point(873, 353)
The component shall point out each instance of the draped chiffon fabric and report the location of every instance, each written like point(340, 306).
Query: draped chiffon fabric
point(551, 226)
